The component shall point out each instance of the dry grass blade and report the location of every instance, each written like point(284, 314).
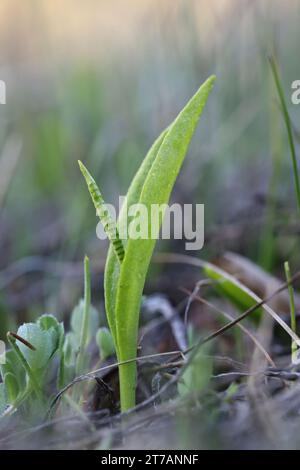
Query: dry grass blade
point(239, 325)
point(185, 259)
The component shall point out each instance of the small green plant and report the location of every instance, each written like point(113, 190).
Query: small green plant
point(128, 260)
point(33, 348)
point(40, 350)
point(105, 343)
point(197, 375)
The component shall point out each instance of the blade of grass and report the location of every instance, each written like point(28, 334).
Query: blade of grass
point(258, 302)
point(292, 303)
point(287, 120)
point(267, 249)
point(86, 316)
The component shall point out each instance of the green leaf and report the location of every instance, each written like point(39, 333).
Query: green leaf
point(112, 268)
point(76, 322)
point(242, 296)
point(47, 322)
point(67, 368)
point(198, 373)
point(13, 366)
point(45, 343)
point(156, 189)
point(70, 348)
point(105, 343)
point(11, 386)
point(227, 287)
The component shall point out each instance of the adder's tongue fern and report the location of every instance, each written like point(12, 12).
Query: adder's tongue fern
point(102, 212)
point(125, 276)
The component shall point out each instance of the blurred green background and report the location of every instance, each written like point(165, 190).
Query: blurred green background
point(97, 81)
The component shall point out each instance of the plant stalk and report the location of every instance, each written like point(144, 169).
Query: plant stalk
point(86, 316)
point(288, 124)
point(292, 303)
